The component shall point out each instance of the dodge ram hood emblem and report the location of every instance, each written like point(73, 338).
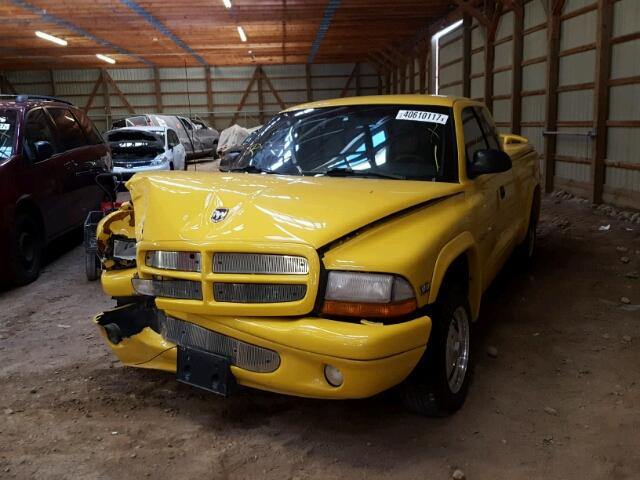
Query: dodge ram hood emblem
point(219, 214)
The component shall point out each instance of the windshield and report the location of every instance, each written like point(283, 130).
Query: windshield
point(388, 141)
point(7, 133)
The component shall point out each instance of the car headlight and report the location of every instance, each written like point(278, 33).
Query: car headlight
point(124, 249)
point(159, 160)
point(368, 295)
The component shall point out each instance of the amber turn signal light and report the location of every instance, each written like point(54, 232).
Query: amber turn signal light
point(369, 310)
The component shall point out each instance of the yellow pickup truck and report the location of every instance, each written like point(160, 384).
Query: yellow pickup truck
point(346, 252)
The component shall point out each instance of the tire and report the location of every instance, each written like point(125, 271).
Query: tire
point(433, 389)
point(526, 250)
point(171, 166)
point(25, 249)
point(92, 266)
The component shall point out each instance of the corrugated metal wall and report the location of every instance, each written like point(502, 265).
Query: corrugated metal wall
point(184, 91)
point(450, 63)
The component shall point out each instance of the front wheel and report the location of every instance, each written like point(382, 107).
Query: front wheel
point(438, 386)
point(25, 250)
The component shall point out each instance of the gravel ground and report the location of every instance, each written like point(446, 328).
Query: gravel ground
point(557, 398)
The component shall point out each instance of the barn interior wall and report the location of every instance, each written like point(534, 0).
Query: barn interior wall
point(248, 96)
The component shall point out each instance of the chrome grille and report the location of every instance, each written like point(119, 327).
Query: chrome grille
point(243, 355)
point(258, 263)
point(185, 261)
point(258, 292)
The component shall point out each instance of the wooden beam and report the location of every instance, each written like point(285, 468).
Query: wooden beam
point(412, 75)
point(245, 95)
point(468, 9)
point(403, 78)
point(157, 89)
point(387, 83)
point(553, 66)
point(307, 77)
point(516, 85)
point(466, 55)
point(424, 58)
point(118, 92)
point(93, 93)
point(107, 97)
point(601, 101)
point(358, 81)
point(209, 90)
point(260, 95)
point(349, 80)
point(395, 80)
point(273, 90)
point(52, 84)
point(493, 12)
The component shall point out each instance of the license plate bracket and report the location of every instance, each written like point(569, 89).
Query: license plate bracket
point(205, 370)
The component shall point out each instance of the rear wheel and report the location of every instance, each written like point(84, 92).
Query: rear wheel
point(438, 386)
point(25, 250)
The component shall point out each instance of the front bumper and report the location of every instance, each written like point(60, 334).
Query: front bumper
point(372, 357)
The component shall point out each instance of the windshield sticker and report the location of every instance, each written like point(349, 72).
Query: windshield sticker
point(5, 126)
point(418, 116)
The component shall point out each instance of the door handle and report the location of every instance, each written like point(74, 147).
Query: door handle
point(503, 193)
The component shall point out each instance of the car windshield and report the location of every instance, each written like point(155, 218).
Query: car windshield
point(385, 141)
point(132, 143)
point(7, 133)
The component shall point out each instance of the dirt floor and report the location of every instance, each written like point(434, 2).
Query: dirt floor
point(560, 400)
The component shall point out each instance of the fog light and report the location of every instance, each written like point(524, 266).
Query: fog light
point(333, 375)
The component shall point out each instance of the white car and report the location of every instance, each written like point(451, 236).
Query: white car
point(143, 149)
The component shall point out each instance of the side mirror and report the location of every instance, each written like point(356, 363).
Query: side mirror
point(43, 151)
point(488, 161)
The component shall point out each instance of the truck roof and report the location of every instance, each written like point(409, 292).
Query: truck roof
point(412, 99)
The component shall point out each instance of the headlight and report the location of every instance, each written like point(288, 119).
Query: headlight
point(377, 295)
point(159, 160)
point(124, 249)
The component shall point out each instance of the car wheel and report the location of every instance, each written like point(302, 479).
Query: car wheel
point(438, 385)
point(92, 266)
point(171, 166)
point(26, 250)
point(526, 250)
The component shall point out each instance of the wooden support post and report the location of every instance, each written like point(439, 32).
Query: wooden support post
point(274, 92)
point(245, 95)
point(553, 66)
point(403, 78)
point(93, 93)
point(307, 72)
point(516, 85)
point(157, 89)
point(429, 71)
point(601, 101)
point(52, 83)
point(209, 90)
point(260, 95)
point(395, 80)
point(107, 97)
point(106, 77)
point(423, 55)
point(349, 80)
point(379, 78)
point(358, 80)
point(387, 82)
point(412, 75)
point(466, 55)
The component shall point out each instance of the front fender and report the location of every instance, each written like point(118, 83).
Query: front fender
point(463, 244)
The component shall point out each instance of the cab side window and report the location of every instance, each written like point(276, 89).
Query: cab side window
point(69, 130)
point(489, 128)
point(474, 139)
point(39, 128)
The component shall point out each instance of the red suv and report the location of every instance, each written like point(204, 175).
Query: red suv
point(50, 154)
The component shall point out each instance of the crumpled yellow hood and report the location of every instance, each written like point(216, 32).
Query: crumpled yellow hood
point(178, 206)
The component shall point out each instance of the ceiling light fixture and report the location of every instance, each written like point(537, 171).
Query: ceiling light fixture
point(104, 58)
point(227, 3)
point(51, 38)
point(243, 37)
